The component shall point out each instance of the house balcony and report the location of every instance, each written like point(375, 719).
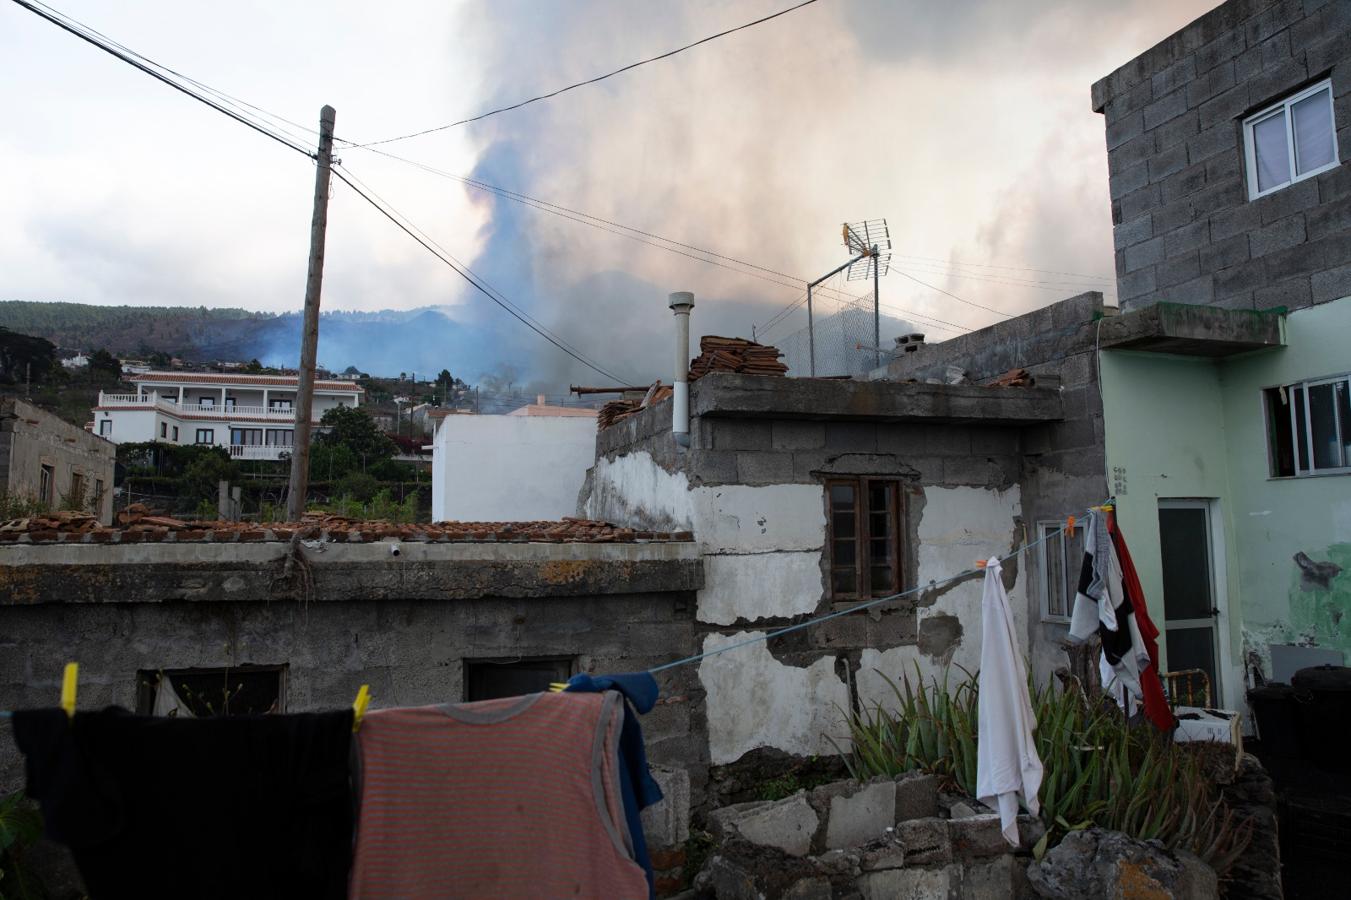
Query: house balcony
point(258, 451)
point(228, 411)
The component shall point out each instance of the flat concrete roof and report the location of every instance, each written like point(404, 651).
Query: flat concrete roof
point(721, 394)
point(1187, 330)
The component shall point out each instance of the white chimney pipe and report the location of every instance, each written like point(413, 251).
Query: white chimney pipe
point(681, 302)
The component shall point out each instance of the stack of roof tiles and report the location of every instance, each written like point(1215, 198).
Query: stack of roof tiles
point(138, 524)
point(1014, 378)
point(616, 410)
point(724, 354)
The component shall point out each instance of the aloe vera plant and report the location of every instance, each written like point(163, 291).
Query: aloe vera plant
point(1098, 769)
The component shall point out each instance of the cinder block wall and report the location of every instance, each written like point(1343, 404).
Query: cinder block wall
point(1185, 230)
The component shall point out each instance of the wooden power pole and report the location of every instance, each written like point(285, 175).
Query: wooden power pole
point(309, 336)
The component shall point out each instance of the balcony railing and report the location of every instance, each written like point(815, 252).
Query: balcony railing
point(214, 411)
point(258, 451)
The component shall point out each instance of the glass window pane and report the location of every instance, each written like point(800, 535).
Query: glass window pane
point(1055, 572)
point(879, 497)
point(882, 583)
point(1301, 428)
point(1344, 418)
point(1313, 131)
point(1192, 648)
point(1278, 432)
point(1327, 448)
point(1272, 151)
point(842, 581)
point(843, 553)
point(841, 496)
point(843, 523)
point(1184, 550)
point(880, 548)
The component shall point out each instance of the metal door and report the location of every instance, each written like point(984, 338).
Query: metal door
point(1190, 597)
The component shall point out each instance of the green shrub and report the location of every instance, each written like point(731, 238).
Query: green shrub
point(358, 485)
point(19, 506)
point(20, 828)
point(1098, 769)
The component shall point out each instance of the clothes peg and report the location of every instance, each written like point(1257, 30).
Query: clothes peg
point(557, 687)
point(69, 685)
point(1069, 526)
point(981, 563)
point(359, 705)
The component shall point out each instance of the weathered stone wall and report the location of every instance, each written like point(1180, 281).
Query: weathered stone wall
point(406, 626)
point(31, 438)
point(751, 489)
point(1185, 230)
point(1062, 465)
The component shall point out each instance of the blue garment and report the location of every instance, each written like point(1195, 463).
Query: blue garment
point(636, 784)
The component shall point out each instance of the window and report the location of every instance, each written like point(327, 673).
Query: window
point(207, 401)
point(1059, 557)
point(1309, 427)
point(489, 679)
point(163, 430)
point(247, 437)
point(77, 489)
point(96, 503)
point(206, 436)
point(864, 545)
point(106, 427)
point(203, 693)
point(229, 402)
point(280, 437)
point(1290, 141)
point(280, 404)
point(175, 434)
point(46, 484)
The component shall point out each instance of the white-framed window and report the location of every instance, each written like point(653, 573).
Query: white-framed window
point(206, 436)
point(1291, 140)
point(1059, 557)
point(105, 427)
point(207, 401)
point(1309, 427)
point(175, 434)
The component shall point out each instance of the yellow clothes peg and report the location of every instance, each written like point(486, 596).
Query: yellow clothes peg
point(362, 701)
point(69, 685)
point(557, 687)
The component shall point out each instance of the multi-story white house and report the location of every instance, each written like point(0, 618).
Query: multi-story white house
point(253, 416)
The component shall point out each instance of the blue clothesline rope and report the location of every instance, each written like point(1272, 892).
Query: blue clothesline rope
point(788, 629)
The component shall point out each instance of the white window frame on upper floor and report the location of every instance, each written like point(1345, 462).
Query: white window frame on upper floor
point(1065, 566)
point(1284, 106)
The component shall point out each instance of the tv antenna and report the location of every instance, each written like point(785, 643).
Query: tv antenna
point(869, 242)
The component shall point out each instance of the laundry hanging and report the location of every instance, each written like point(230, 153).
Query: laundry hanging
point(244, 806)
point(518, 797)
point(1007, 765)
point(1111, 603)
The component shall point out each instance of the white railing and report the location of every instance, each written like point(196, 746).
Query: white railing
point(214, 411)
point(123, 400)
point(257, 451)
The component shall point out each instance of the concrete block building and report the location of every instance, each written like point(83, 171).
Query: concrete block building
point(46, 459)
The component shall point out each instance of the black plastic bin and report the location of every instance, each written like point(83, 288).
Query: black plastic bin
point(1276, 710)
point(1324, 701)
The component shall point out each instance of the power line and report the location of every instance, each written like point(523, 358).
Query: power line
point(71, 26)
point(931, 287)
point(953, 262)
point(477, 283)
point(598, 78)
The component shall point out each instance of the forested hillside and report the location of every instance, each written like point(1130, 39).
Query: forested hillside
point(132, 330)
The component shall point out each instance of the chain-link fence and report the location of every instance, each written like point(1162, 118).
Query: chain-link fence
point(844, 342)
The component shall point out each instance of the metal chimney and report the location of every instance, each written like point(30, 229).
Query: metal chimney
point(681, 302)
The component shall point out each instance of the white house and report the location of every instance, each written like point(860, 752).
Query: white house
point(251, 415)
point(526, 465)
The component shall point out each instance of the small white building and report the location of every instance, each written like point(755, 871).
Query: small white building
point(251, 415)
point(78, 361)
point(527, 465)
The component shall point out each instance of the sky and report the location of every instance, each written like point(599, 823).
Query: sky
point(967, 125)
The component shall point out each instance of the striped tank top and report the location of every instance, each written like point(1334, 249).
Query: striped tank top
point(503, 798)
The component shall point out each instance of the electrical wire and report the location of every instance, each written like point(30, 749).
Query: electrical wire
point(468, 275)
point(953, 262)
point(596, 79)
point(128, 58)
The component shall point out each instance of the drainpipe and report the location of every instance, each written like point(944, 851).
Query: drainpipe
point(681, 302)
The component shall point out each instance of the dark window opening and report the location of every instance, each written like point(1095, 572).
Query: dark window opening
point(489, 679)
point(205, 693)
point(864, 543)
point(46, 485)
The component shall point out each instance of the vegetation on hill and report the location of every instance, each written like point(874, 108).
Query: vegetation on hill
point(125, 330)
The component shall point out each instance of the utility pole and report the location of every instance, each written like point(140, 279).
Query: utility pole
point(309, 336)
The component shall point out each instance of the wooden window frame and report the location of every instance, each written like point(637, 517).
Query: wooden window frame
point(863, 538)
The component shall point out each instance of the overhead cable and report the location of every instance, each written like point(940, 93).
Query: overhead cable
point(598, 78)
point(127, 57)
point(474, 280)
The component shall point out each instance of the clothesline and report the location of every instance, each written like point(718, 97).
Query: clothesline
point(877, 601)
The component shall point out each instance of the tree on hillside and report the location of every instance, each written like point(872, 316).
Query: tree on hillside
point(351, 427)
point(103, 364)
point(23, 356)
point(254, 366)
